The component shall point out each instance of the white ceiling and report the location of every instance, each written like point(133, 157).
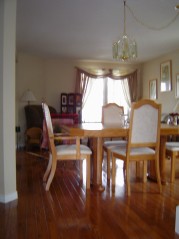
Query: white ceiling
point(86, 29)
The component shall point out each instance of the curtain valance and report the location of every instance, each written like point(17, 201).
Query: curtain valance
point(130, 90)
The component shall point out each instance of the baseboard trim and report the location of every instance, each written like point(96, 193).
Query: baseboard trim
point(8, 197)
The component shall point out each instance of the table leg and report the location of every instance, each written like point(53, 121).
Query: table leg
point(96, 146)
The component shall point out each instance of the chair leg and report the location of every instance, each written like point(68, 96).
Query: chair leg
point(124, 170)
point(81, 169)
point(113, 170)
point(158, 174)
point(137, 169)
point(128, 178)
point(46, 174)
point(52, 172)
point(172, 177)
point(88, 172)
point(108, 163)
point(145, 171)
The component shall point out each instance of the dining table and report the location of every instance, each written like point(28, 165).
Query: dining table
point(96, 132)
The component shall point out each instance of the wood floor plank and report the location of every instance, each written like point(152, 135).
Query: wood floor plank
point(67, 211)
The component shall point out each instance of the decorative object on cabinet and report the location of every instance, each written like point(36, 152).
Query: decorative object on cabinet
point(153, 89)
point(166, 76)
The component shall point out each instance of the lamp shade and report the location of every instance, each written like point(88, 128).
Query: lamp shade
point(28, 96)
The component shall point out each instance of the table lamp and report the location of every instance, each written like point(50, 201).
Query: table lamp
point(28, 96)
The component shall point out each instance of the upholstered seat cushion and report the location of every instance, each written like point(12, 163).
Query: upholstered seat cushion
point(113, 143)
point(173, 146)
point(71, 149)
point(134, 151)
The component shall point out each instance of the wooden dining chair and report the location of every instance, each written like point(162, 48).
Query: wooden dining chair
point(33, 138)
point(143, 140)
point(63, 152)
point(112, 114)
point(172, 152)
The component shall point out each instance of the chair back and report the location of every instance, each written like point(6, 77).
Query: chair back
point(112, 113)
point(48, 124)
point(145, 124)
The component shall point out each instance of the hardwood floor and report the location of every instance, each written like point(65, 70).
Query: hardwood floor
point(67, 211)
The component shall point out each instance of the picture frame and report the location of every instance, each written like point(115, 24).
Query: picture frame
point(78, 99)
point(64, 109)
point(153, 89)
point(166, 76)
point(70, 99)
point(70, 109)
point(63, 99)
point(177, 85)
point(78, 110)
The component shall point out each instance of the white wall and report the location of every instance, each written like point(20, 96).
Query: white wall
point(59, 77)
point(29, 75)
point(151, 70)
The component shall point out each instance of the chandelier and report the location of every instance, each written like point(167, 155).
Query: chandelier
point(125, 49)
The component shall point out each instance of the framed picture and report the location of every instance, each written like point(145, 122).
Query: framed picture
point(70, 99)
point(166, 76)
point(177, 85)
point(64, 109)
point(70, 109)
point(78, 99)
point(153, 89)
point(78, 110)
point(64, 99)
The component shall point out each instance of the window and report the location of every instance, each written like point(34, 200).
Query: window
point(115, 93)
point(99, 92)
point(91, 111)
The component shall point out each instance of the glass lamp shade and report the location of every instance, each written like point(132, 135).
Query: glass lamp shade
point(125, 49)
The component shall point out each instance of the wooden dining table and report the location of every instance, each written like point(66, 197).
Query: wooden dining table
point(96, 132)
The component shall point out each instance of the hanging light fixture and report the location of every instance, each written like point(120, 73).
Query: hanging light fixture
point(125, 49)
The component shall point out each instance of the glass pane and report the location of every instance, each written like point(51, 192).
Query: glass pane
point(94, 101)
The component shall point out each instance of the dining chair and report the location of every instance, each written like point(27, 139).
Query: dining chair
point(112, 113)
point(143, 140)
point(63, 152)
point(33, 137)
point(172, 152)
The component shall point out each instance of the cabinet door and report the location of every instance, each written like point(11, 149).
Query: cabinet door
point(63, 99)
point(78, 100)
point(71, 99)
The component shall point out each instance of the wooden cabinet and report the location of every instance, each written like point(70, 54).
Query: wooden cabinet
point(71, 104)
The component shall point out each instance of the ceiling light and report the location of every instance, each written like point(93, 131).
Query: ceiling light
point(177, 7)
point(125, 49)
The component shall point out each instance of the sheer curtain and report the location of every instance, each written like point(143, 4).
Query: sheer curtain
point(106, 88)
point(118, 92)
